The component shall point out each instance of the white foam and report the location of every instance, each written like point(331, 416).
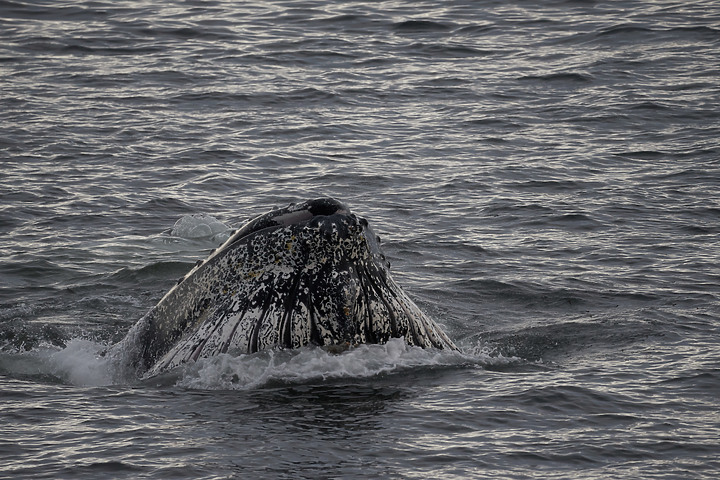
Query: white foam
point(199, 225)
point(227, 372)
point(80, 363)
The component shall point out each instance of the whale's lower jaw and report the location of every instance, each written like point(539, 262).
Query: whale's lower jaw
point(314, 293)
point(354, 313)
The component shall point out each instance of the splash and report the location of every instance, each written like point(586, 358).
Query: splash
point(242, 372)
point(82, 363)
point(199, 225)
point(79, 363)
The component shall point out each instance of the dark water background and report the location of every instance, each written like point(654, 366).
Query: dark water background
point(545, 177)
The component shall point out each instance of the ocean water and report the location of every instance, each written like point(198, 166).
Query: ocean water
point(545, 177)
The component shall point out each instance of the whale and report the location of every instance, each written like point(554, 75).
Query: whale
point(308, 274)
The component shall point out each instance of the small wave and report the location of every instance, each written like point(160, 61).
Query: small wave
point(186, 33)
point(566, 77)
point(160, 205)
point(476, 29)
point(416, 26)
point(448, 50)
point(154, 272)
point(47, 12)
point(624, 29)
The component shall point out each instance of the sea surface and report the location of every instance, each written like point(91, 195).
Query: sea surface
point(545, 177)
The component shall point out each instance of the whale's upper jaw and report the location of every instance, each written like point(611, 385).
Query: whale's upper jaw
point(323, 216)
point(293, 214)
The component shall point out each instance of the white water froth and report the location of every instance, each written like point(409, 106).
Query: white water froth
point(200, 225)
point(227, 372)
point(81, 363)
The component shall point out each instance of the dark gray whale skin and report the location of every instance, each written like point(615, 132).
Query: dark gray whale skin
point(310, 273)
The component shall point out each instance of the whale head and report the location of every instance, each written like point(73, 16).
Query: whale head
point(311, 273)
